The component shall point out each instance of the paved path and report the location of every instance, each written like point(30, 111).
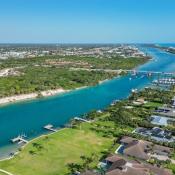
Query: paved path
point(5, 172)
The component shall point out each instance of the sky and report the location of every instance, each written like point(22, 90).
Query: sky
point(87, 21)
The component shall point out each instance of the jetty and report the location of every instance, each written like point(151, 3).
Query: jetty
point(134, 90)
point(19, 140)
point(114, 102)
point(50, 127)
point(81, 119)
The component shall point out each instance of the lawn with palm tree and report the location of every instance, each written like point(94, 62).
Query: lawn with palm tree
point(50, 155)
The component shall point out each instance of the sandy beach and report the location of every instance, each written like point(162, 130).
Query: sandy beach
point(100, 82)
point(23, 97)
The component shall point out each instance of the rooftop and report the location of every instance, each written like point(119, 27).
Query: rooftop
point(135, 168)
point(143, 149)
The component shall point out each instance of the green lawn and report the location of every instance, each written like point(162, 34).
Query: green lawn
point(152, 104)
point(2, 173)
point(172, 167)
point(52, 153)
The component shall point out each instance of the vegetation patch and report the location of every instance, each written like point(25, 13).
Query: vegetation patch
point(53, 72)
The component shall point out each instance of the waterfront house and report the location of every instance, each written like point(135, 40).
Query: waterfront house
point(136, 148)
point(156, 133)
point(161, 120)
point(143, 149)
point(164, 111)
point(114, 162)
point(122, 166)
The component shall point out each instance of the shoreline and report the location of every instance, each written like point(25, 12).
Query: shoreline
point(31, 96)
point(33, 139)
point(48, 93)
point(42, 94)
point(35, 95)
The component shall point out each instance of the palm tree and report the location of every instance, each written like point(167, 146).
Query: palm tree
point(73, 168)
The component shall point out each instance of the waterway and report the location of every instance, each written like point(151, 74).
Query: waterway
point(29, 117)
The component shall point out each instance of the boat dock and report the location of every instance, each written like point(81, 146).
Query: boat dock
point(114, 102)
point(81, 119)
point(50, 128)
point(19, 140)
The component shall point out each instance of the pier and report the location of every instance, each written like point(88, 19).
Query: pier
point(49, 127)
point(19, 140)
point(81, 119)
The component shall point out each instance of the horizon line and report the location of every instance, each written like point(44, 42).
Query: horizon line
point(71, 43)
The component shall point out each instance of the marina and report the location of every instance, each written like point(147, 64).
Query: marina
point(165, 81)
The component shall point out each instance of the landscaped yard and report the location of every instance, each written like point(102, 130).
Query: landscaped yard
point(49, 155)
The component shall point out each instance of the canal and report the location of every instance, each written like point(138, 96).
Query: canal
point(29, 117)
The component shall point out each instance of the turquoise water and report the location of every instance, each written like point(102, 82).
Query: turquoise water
point(168, 45)
point(30, 117)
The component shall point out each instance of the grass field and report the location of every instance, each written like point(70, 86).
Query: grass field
point(152, 105)
point(49, 155)
point(2, 173)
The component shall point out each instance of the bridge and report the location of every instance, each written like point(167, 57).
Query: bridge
point(149, 72)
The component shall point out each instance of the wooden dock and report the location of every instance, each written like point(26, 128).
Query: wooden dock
point(19, 140)
point(50, 128)
point(81, 119)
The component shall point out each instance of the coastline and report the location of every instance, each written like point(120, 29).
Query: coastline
point(30, 141)
point(39, 95)
point(48, 93)
point(34, 95)
point(42, 94)
point(103, 81)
